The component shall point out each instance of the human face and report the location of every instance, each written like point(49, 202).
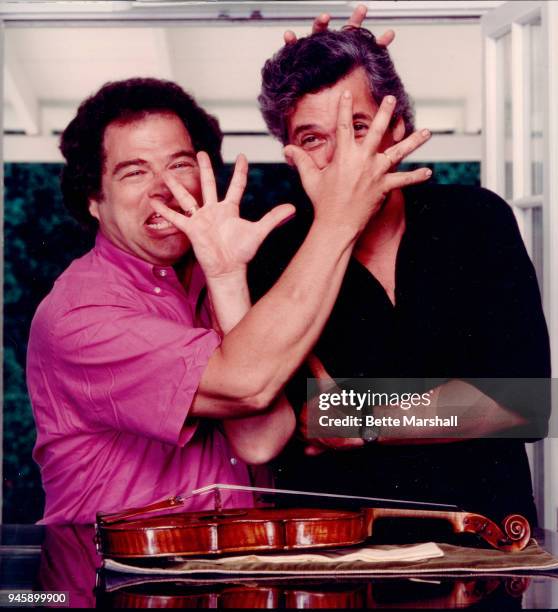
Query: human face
point(138, 154)
point(312, 124)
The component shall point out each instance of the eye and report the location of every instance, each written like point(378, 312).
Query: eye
point(360, 129)
point(311, 141)
point(133, 173)
point(183, 163)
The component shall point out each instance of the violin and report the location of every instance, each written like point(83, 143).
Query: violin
point(221, 531)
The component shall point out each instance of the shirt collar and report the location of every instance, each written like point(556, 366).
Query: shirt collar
point(143, 274)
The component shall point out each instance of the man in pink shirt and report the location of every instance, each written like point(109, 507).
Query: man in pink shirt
point(141, 388)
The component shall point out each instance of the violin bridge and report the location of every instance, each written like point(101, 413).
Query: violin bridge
point(218, 501)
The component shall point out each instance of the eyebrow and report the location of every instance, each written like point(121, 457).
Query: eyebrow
point(129, 162)
point(313, 126)
point(184, 153)
point(303, 128)
point(142, 162)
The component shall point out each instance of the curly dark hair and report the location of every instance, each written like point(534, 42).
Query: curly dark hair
point(319, 61)
point(81, 143)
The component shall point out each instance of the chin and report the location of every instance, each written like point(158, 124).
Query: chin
point(170, 254)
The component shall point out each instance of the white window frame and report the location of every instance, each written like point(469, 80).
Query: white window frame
point(514, 17)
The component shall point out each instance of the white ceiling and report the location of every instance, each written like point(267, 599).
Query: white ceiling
point(49, 70)
point(57, 52)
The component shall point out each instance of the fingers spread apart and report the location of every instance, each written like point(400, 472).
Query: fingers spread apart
point(396, 180)
point(386, 38)
point(380, 123)
point(172, 216)
point(402, 149)
point(345, 131)
point(238, 181)
point(276, 216)
point(321, 23)
point(185, 199)
point(289, 37)
point(207, 178)
point(358, 16)
point(299, 158)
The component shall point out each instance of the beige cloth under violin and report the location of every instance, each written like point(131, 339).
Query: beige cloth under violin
point(428, 558)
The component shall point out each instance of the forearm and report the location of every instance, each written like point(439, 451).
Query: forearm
point(285, 324)
point(475, 415)
point(265, 348)
point(230, 300)
point(258, 439)
point(255, 439)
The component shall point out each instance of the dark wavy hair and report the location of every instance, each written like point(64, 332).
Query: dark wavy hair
point(81, 143)
point(319, 61)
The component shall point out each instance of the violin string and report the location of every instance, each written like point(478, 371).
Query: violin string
point(229, 487)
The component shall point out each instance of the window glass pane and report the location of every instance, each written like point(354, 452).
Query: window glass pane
point(506, 71)
point(536, 87)
point(537, 242)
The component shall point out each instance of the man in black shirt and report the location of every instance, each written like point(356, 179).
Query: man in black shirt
point(439, 286)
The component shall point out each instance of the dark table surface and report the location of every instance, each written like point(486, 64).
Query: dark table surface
point(64, 559)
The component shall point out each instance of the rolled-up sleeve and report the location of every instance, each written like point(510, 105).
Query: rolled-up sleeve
point(509, 344)
point(131, 371)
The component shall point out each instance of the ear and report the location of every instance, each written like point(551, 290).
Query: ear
point(94, 209)
point(399, 130)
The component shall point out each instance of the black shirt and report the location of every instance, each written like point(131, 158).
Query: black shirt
point(467, 306)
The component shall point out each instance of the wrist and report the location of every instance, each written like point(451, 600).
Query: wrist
point(229, 298)
point(337, 231)
point(226, 281)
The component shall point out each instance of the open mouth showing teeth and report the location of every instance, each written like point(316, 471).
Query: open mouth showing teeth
point(157, 222)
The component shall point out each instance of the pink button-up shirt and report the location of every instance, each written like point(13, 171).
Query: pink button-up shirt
point(116, 353)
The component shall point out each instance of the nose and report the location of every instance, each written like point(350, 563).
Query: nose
point(158, 189)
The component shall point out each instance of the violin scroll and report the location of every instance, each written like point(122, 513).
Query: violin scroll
point(514, 535)
point(517, 529)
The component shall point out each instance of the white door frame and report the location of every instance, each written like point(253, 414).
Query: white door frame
point(512, 17)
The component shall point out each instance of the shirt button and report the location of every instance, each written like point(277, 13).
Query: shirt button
point(234, 460)
point(162, 272)
point(157, 290)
